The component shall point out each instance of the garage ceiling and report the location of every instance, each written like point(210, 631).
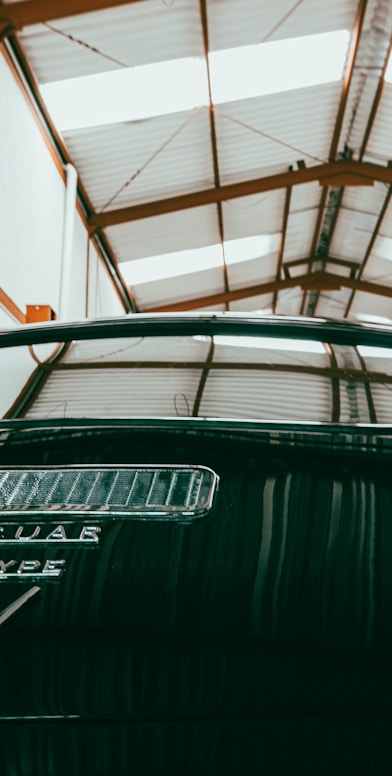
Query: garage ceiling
point(270, 198)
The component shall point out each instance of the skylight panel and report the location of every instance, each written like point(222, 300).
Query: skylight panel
point(133, 94)
point(278, 66)
point(372, 318)
point(130, 94)
point(247, 248)
point(383, 248)
point(171, 265)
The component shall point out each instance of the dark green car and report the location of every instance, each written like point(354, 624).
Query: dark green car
point(195, 547)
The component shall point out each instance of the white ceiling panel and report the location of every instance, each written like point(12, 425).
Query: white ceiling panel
point(124, 164)
point(257, 214)
point(289, 302)
point(299, 235)
point(378, 270)
point(379, 147)
point(189, 286)
point(194, 228)
point(251, 273)
point(234, 23)
point(369, 304)
point(260, 136)
point(127, 36)
point(333, 305)
point(252, 303)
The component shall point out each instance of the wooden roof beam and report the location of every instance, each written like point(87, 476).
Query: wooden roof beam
point(286, 213)
point(27, 12)
point(312, 281)
point(361, 174)
point(213, 136)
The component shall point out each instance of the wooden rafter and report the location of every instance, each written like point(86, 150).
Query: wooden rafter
point(361, 173)
point(11, 308)
point(286, 212)
point(352, 265)
point(214, 143)
point(313, 281)
point(27, 12)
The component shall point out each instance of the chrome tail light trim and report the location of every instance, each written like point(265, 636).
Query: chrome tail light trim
point(166, 492)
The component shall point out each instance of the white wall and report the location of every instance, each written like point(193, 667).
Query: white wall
point(32, 209)
point(102, 296)
point(32, 205)
point(16, 366)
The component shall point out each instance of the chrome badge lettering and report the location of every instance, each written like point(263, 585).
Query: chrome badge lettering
point(43, 534)
point(28, 570)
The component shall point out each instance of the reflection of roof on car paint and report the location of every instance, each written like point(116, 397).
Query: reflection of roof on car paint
point(225, 366)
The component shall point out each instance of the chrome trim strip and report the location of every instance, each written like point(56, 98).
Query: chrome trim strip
point(20, 602)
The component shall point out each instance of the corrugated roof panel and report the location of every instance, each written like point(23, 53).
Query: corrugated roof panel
point(237, 24)
point(252, 272)
point(333, 304)
point(304, 205)
point(252, 303)
point(357, 220)
point(378, 270)
point(299, 234)
point(364, 86)
point(370, 304)
point(268, 134)
point(220, 308)
point(190, 286)
point(289, 302)
point(352, 234)
point(123, 164)
point(257, 214)
point(386, 226)
point(305, 197)
point(379, 145)
point(372, 51)
point(136, 34)
point(194, 228)
point(337, 269)
point(366, 200)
